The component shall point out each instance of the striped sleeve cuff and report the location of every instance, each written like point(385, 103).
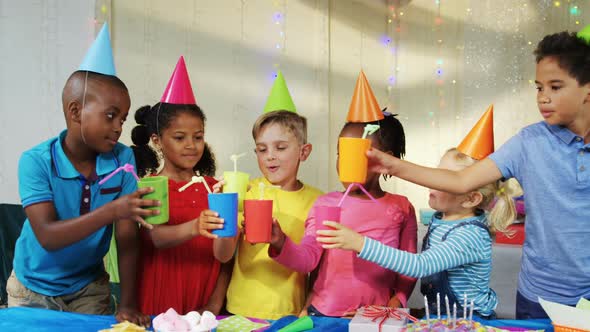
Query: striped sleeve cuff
point(369, 248)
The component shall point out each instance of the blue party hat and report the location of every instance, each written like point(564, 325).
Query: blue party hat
point(99, 58)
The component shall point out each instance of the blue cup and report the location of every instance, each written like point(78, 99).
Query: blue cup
point(226, 204)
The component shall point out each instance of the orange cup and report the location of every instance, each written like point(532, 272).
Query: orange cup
point(352, 159)
point(258, 220)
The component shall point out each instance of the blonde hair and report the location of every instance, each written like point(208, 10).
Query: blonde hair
point(503, 212)
point(290, 121)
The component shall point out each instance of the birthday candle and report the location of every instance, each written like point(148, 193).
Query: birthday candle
point(448, 308)
point(454, 314)
point(471, 313)
point(438, 306)
point(427, 310)
point(464, 306)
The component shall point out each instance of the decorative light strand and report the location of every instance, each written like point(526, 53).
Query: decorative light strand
point(391, 41)
point(439, 80)
point(280, 41)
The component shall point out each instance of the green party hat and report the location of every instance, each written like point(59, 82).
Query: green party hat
point(584, 34)
point(279, 98)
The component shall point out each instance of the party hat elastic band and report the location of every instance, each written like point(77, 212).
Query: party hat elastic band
point(363, 106)
point(279, 98)
point(479, 143)
point(99, 58)
point(179, 89)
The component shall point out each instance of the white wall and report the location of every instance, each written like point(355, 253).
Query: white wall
point(230, 49)
point(41, 43)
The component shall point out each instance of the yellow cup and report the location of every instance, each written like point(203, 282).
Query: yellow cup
point(352, 160)
point(236, 182)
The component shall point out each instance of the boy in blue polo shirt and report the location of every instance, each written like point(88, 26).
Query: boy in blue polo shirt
point(58, 259)
point(551, 160)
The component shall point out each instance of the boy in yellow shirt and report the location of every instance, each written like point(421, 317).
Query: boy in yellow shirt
point(261, 287)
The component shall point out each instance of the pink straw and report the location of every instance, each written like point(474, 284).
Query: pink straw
point(366, 192)
point(127, 168)
point(346, 194)
point(348, 191)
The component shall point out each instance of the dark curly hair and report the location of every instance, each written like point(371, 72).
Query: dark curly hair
point(155, 119)
point(572, 54)
point(390, 135)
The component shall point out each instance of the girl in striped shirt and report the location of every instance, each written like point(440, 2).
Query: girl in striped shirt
point(456, 258)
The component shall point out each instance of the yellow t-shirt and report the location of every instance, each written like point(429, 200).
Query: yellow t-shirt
point(261, 287)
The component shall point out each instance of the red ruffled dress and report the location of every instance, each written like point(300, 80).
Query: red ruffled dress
point(181, 277)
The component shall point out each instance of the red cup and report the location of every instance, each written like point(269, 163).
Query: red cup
point(323, 213)
point(258, 220)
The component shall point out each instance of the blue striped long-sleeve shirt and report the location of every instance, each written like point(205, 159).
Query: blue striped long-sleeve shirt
point(466, 254)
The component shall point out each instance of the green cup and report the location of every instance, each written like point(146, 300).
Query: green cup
point(160, 193)
point(236, 182)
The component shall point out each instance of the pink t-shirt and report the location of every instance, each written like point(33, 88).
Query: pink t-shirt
point(346, 282)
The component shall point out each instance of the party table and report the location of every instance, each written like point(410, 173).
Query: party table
point(42, 320)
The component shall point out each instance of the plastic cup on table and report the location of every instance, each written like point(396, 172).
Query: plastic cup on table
point(160, 193)
point(236, 182)
point(258, 220)
point(323, 213)
point(226, 204)
point(352, 160)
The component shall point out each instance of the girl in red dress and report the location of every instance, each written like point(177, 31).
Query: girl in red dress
point(180, 261)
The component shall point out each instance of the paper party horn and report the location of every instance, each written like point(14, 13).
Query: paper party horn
point(301, 324)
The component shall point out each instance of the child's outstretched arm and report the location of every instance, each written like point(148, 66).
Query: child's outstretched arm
point(167, 236)
point(127, 239)
point(456, 182)
point(461, 247)
point(302, 257)
point(54, 234)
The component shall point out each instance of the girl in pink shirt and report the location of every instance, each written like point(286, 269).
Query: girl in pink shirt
point(346, 282)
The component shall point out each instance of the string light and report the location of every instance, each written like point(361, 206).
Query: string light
point(278, 20)
point(391, 43)
point(102, 14)
point(439, 80)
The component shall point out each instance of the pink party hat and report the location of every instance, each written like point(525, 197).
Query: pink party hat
point(179, 89)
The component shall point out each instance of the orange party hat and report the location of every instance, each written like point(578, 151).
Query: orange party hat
point(363, 107)
point(479, 143)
